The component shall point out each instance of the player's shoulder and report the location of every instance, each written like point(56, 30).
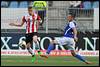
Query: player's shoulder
point(73, 22)
point(25, 15)
point(35, 13)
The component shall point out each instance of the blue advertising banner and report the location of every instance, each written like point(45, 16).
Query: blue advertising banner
point(86, 42)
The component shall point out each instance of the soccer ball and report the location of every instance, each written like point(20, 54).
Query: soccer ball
point(22, 44)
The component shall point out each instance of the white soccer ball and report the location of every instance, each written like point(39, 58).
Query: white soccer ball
point(22, 44)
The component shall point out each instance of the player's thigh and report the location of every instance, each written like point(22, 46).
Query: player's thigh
point(35, 36)
point(70, 44)
point(28, 45)
point(28, 40)
point(61, 40)
point(70, 47)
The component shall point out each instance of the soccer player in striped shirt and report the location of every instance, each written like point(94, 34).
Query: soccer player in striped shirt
point(32, 21)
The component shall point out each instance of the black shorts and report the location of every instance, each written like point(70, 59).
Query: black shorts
point(29, 37)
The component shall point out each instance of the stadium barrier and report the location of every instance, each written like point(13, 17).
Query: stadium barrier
point(88, 44)
point(87, 19)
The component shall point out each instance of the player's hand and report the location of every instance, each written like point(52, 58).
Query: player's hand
point(11, 24)
point(76, 39)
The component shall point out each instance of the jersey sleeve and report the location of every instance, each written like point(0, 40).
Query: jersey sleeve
point(23, 19)
point(72, 25)
point(39, 19)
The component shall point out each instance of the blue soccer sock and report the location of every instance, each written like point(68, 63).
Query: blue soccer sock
point(80, 58)
point(50, 48)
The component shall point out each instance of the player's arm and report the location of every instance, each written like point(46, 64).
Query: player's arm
point(72, 25)
point(39, 19)
point(75, 33)
point(17, 24)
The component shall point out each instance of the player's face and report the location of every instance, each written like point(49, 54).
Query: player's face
point(69, 18)
point(30, 11)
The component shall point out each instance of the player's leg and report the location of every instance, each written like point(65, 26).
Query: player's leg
point(51, 46)
point(71, 47)
point(29, 44)
point(35, 42)
point(37, 47)
point(52, 43)
point(30, 49)
point(81, 58)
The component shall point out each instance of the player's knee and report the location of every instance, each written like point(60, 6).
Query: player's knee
point(28, 45)
point(53, 42)
point(35, 38)
point(35, 41)
point(73, 53)
point(52, 38)
point(28, 48)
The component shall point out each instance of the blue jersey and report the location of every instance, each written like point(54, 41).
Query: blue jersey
point(68, 32)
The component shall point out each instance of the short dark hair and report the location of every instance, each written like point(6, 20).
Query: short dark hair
point(72, 14)
point(29, 7)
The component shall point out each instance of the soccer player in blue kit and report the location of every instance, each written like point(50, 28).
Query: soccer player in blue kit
point(69, 39)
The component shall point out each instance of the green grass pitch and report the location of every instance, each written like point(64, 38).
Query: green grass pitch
point(51, 61)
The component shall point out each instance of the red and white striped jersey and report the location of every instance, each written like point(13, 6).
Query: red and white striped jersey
point(32, 22)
